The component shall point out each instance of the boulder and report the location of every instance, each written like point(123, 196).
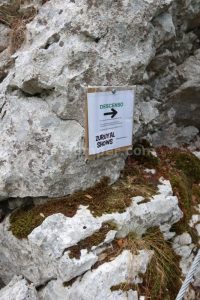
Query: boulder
point(124, 267)
point(67, 48)
point(42, 155)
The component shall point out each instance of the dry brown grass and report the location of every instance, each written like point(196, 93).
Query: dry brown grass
point(163, 277)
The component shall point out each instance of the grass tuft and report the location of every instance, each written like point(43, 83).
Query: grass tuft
point(163, 276)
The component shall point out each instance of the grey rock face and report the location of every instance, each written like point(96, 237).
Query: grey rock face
point(186, 99)
point(96, 284)
point(18, 289)
point(45, 153)
point(71, 46)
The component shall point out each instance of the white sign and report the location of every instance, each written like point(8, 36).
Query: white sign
point(110, 120)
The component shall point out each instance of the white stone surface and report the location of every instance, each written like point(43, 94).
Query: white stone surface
point(58, 232)
point(67, 48)
point(183, 239)
point(71, 268)
point(162, 209)
point(194, 220)
point(183, 246)
point(18, 289)
point(50, 150)
point(96, 284)
point(198, 229)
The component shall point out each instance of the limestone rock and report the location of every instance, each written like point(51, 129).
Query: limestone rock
point(183, 246)
point(5, 62)
point(183, 239)
point(67, 48)
point(160, 210)
point(65, 231)
point(4, 37)
point(51, 150)
point(186, 97)
point(44, 256)
point(124, 267)
point(18, 289)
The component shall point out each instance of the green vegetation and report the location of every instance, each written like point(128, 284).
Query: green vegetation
point(163, 273)
point(101, 199)
point(124, 286)
point(163, 276)
point(182, 168)
point(142, 153)
point(188, 163)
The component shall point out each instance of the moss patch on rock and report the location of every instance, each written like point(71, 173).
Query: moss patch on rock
point(143, 153)
point(182, 168)
point(124, 286)
point(94, 240)
point(101, 199)
point(188, 163)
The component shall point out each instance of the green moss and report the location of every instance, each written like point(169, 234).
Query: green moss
point(163, 274)
point(124, 286)
point(188, 163)
point(101, 199)
point(94, 240)
point(143, 155)
point(183, 189)
point(23, 221)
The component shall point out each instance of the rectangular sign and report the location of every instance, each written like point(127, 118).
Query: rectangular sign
point(109, 116)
